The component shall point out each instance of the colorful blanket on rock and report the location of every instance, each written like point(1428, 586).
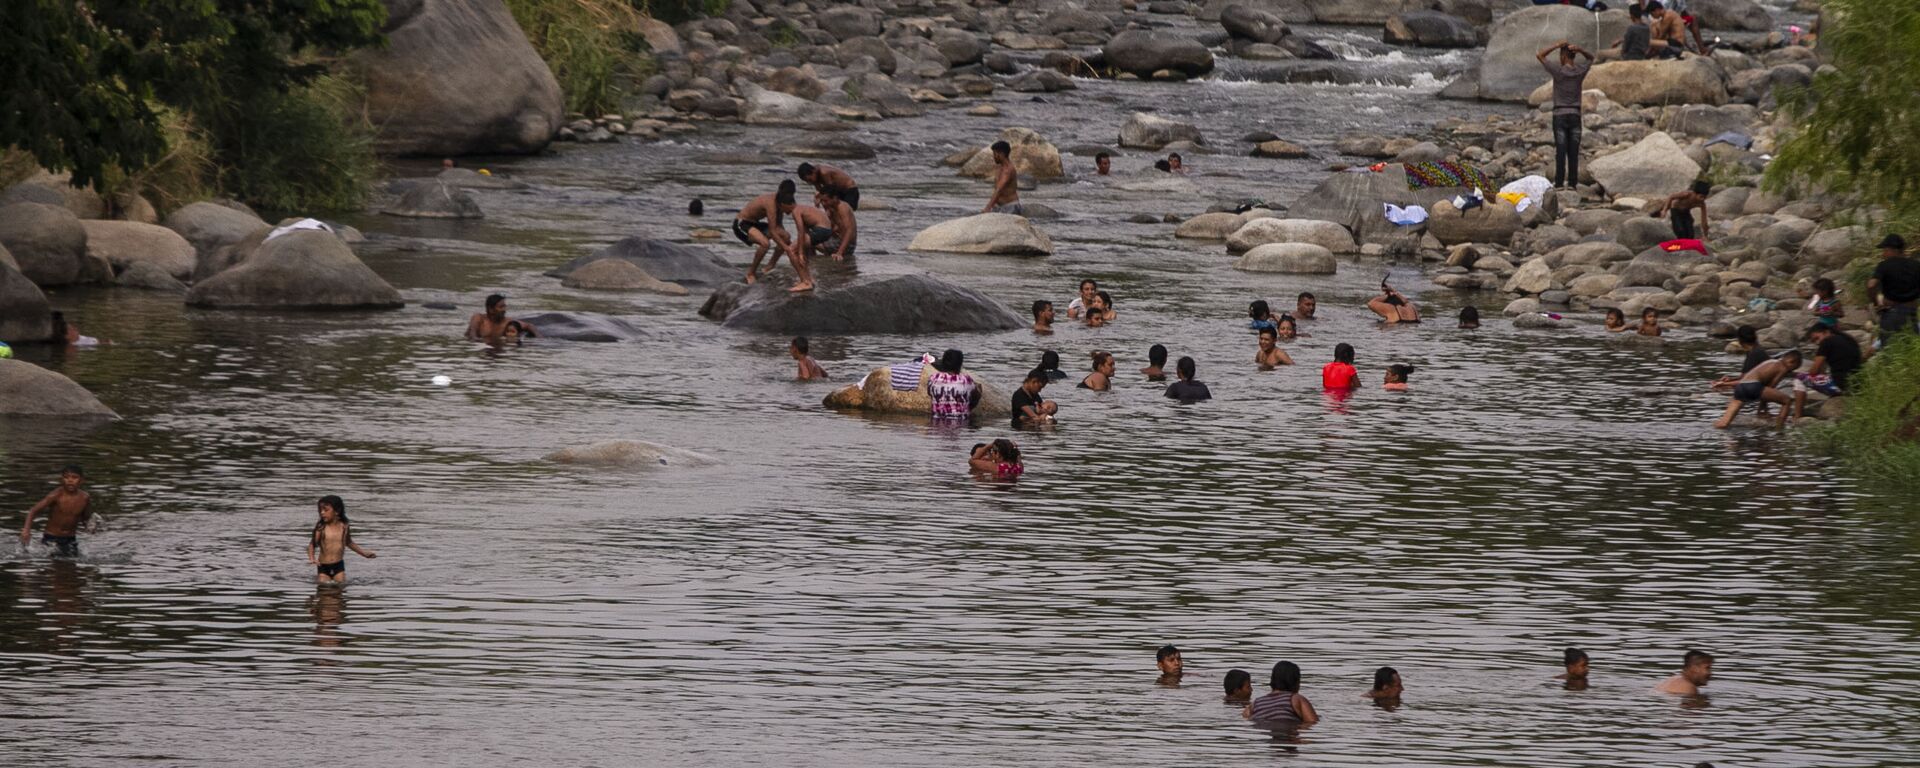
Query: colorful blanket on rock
point(1447, 174)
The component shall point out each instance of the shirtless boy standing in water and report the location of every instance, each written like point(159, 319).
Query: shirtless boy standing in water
point(327, 550)
point(67, 508)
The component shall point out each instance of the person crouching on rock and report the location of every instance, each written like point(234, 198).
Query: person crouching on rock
point(493, 325)
point(758, 225)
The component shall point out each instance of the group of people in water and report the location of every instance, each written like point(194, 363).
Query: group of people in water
point(827, 228)
point(1284, 708)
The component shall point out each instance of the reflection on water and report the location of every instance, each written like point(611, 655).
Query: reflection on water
point(837, 591)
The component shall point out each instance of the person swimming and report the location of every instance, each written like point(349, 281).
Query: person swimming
point(1187, 390)
point(1270, 355)
point(1156, 363)
point(1397, 375)
point(1286, 329)
point(1171, 666)
point(1101, 379)
point(1050, 362)
point(1649, 322)
point(1387, 687)
point(1615, 321)
point(1284, 706)
point(999, 459)
point(1469, 317)
point(1261, 316)
point(1340, 374)
point(1239, 687)
point(1576, 663)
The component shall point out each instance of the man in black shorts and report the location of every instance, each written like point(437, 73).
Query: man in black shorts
point(1895, 286)
point(758, 225)
point(1757, 386)
point(1679, 210)
point(829, 181)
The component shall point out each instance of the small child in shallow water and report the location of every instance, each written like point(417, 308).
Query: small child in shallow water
point(1649, 323)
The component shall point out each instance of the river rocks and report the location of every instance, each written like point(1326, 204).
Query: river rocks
point(1638, 233)
point(1694, 80)
point(1280, 149)
point(146, 276)
point(1509, 72)
point(1067, 20)
point(1492, 222)
point(670, 262)
point(828, 148)
point(1040, 81)
point(47, 242)
point(1325, 234)
point(126, 243)
point(1653, 168)
point(24, 314)
point(1245, 22)
point(1594, 285)
point(1537, 321)
point(1144, 131)
point(55, 189)
point(434, 200)
point(465, 178)
point(991, 233)
point(1209, 226)
point(884, 59)
point(1742, 15)
point(1707, 121)
point(1032, 156)
point(1532, 278)
point(619, 275)
point(629, 454)
point(846, 22)
point(28, 390)
point(1834, 248)
point(212, 228)
point(959, 48)
point(1289, 259)
point(305, 269)
point(910, 304)
point(458, 77)
point(1143, 53)
point(1431, 29)
point(1357, 202)
point(875, 394)
point(583, 326)
point(767, 107)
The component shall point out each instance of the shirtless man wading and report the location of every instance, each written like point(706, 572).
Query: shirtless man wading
point(1006, 190)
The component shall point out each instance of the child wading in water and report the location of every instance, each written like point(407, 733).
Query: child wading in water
point(331, 539)
point(1616, 320)
point(1649, 322)
point(1000, 458)
point(1397, 375)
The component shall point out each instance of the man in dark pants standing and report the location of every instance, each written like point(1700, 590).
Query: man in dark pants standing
point(1895, 287)
point(1569, 74)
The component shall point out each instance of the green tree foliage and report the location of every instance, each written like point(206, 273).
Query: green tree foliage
point(1880, 431)
point(594, 48)
point(1857, 128)
point(82, 80)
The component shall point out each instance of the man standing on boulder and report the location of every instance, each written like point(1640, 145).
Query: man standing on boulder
point(1006, 189)
point(758, 225)
point(1569, 74)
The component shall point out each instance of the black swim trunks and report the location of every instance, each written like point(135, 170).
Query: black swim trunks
point(849, 196)
point(819, 235)
point(338, 568)
point(1683, 223)
point(63, 546)
point(1749, 391)
point(741, 226)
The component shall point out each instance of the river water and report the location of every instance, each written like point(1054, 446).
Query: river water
point(836, 591)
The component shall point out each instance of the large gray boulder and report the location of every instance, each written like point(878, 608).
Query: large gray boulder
point(458, 77)
point(434, 200)
point(1509, 72)
point(56, 189)
point(1694, 80)
point(1143, 53)
point(1652, 168)
point(305, 269)
point(910, 304)
point(1263, 231)
point(846, 22)
point(1289, 259)
point(1033, 156)
point(765, 107)
point(686, 265)
point(582, 326)
point(214, 230)
point(47, 242)
point(619, 275)
point(1707, 121)
point(1245, 22)
point(1144, 131)
point(1741, 15)
point(28, 390)
point(126, 243)
point(1638, 233)
point(991, 233)
point(1493, 222)
point(1430, 29)
point(1357, 201)
point(958, 47)
point(24, 314)
point(875, 394)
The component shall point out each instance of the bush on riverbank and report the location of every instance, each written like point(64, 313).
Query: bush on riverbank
point(1879, 433)
point(594, 48)
point(304, 150)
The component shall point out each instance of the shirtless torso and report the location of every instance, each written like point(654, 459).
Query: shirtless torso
point(1006, 187)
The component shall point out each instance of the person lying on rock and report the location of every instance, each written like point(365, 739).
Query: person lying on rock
point(1679, 206)
point(1006, 182)
point(492, 325)
point(1758, 386)
point(1393, 307)
point(1270, 356)
point(758, 225)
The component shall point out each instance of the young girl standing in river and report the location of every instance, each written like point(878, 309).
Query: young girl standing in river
point(326, 550)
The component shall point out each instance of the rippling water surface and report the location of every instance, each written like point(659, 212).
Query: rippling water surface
point(836, 591)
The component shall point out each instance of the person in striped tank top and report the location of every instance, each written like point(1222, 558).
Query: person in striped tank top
point(1284, 707)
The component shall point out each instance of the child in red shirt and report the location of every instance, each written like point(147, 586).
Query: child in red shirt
point(1340, 373)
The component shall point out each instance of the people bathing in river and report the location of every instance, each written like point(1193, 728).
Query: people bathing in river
point(1103, 164)
point(66, 334)
point(1176, 163)
point(1303, 307)
point(758, 225)
point(1101, 378)
point(1340, 374)
point(1260, 316)
point(1615, 321)
point(809, 368)
point(1088, 289)
point(493, 324)
point(953, 394)
point(1575, 662)
point(1170, 664)
point(1100, 310)
point(1757, 386)
point(1156, 363)
point(1285, 329)
point(1393, 307)
point(1397, 375)
point(1270, 355)
point(1239, 687)
point(1006, 186)
point(1050, 364)
point(1696, 669)
point(326, 550)
point(1469, 318)
point(999, 459)
point(1187, 390)
point(1649, 322)
point(1748, 340)
point(1679, 207)
point(68, 510)
point(836, 193)
point(1043, 316)
point(1387, 687)
point(1283, 706)
point(831, 182)
point(1029, 408)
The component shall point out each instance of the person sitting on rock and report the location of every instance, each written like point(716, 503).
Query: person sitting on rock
point(813, 233)
point(491, 325)
point(1615, 321)
point(1101, 379)
point(1649, 322)
point(1393, 307)
point(843, 231)
point(1635, 43)
point(1156, 363)
point(1669, 32)
point(1103, 164)
point(1270, 356)
point(809, 368)
point(758, 225)
point(1757, 386)
point(1006, 183)
point(1043, 316)
point(1187, 390)
point(1836, 358)
point(1029, 408)
point(1679, 209)
point(951, 392)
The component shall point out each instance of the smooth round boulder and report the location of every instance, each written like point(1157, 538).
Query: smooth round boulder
point(1357, 201)
point(989, 233)
point(434, 200)
point(1508, 70)
point(1430, 29)
point(1289, 259)
point(1652, 168)
point(685, 265)
point(1032, 155)
point(767, 107)
point(875, 394)
point(124, 244)
point(304, 269)
point(905, 304)
point(629, 454)
point(149, 277)
point(1257, 232)
point(1209, 226)
point(24, 313)
point(1144, 131)
point(582, 326)
point(1532, 278)
point(1659, 82)
point(1279, 149)
point(1142, 53)
point(457, 77)
point(211, 228)
point(619, 275)
point(28, 391)
point(1493, 221)
point(1638, 233)
point(46, 241)
point(1245, 22)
